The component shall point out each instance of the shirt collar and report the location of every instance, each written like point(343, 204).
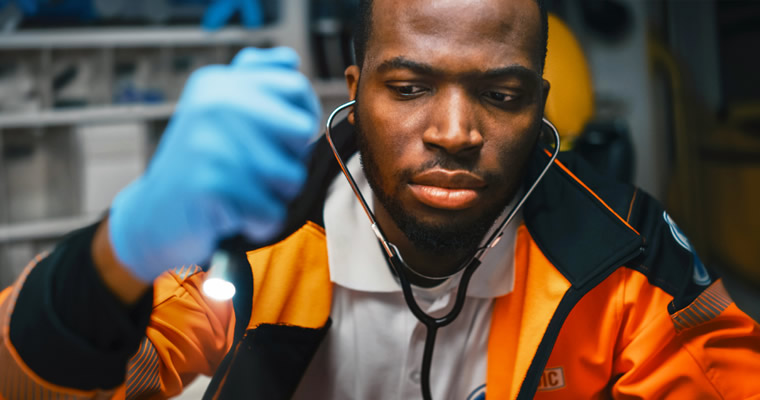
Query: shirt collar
point(357, 262)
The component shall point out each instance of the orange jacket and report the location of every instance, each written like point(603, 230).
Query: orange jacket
point(608, 302)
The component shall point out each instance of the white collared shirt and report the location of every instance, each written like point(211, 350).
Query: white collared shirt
point(374, 348)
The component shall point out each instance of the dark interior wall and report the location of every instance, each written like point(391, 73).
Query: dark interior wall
point(739, 41)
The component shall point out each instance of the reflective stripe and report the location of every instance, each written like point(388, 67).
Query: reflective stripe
point(142, 375)
point(708, 305)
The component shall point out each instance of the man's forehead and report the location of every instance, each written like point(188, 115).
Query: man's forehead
point(482, 10)
point(484, 29)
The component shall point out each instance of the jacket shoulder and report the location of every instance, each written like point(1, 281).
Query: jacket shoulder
point(590, 225)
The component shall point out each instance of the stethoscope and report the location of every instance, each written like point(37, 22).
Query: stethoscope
point(400, 267)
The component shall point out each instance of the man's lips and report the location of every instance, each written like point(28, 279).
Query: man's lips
point(445, 189)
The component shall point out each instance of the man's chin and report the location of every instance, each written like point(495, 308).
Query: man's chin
point(443, 238)
point(440, 230)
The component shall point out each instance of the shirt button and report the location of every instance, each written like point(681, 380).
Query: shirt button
point(415, 376)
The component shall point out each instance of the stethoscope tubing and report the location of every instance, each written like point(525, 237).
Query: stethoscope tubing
point(401, 268)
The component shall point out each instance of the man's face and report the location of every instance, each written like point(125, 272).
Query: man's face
point(448, 110)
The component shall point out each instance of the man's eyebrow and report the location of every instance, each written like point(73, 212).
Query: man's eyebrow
point(405, 63)
point(515, 70)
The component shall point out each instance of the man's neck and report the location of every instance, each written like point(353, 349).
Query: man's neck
point(427, 263)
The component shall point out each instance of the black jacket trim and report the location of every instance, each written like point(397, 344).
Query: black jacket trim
point(65, 312)
point(576, 232)
point(242, 304)
point(268, 362)
point(582, 238)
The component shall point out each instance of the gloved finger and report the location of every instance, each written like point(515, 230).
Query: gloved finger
point(246, 195)
point(291, 127)
point(255, 88)
point(258, 152)
point(293, 86)
point(281, 173)
point(252, 57)
point(235, 143)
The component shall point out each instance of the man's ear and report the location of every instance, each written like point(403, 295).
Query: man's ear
point(545, 86)
point(352, 82)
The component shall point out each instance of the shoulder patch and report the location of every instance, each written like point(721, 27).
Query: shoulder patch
point(701, 276)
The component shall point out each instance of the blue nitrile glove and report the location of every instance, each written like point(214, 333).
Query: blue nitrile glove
point(220, 11)
point(231, 158)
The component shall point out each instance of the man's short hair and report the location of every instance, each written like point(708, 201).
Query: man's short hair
point(363, 30)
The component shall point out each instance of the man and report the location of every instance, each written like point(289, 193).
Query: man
point(594, 294)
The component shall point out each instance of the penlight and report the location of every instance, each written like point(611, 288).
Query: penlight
point(217, 285)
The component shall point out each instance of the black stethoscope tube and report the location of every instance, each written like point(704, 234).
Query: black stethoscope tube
point(432, 324)
point(399, 266)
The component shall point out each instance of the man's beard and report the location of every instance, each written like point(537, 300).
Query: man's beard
point(456, 238)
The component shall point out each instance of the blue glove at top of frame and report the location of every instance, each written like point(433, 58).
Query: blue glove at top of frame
point(231, 158)
point(220, 11)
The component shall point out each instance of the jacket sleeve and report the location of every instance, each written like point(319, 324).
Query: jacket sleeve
point(707, 350)
point(63, 334)
point(188, 334)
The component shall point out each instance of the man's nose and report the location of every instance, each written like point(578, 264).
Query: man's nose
point(453, 128)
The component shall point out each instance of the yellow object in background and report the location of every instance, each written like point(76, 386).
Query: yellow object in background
point(570, 105)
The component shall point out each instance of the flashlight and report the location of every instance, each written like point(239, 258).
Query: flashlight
point(218, 285)
point(227, 262)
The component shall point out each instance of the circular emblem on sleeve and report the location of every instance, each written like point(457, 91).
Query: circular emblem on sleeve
point(478, 394)
point(701, 277)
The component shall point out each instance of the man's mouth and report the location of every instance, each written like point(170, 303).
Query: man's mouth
point(446, 189)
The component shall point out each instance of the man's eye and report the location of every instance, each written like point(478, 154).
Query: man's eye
point(500, 97)
point(408, 90)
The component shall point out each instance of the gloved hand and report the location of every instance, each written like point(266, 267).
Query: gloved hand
point(231, 158)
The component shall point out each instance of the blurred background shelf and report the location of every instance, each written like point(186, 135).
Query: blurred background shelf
point(86, 115)
point(171, 36)
point(83, 104)
point(334, 89)
point(45, 229)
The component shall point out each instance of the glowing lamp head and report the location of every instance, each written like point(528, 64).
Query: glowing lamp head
point(218, 289)
point(217, 285)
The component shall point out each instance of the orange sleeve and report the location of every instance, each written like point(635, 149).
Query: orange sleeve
point(188, 334)
point(708, 350)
